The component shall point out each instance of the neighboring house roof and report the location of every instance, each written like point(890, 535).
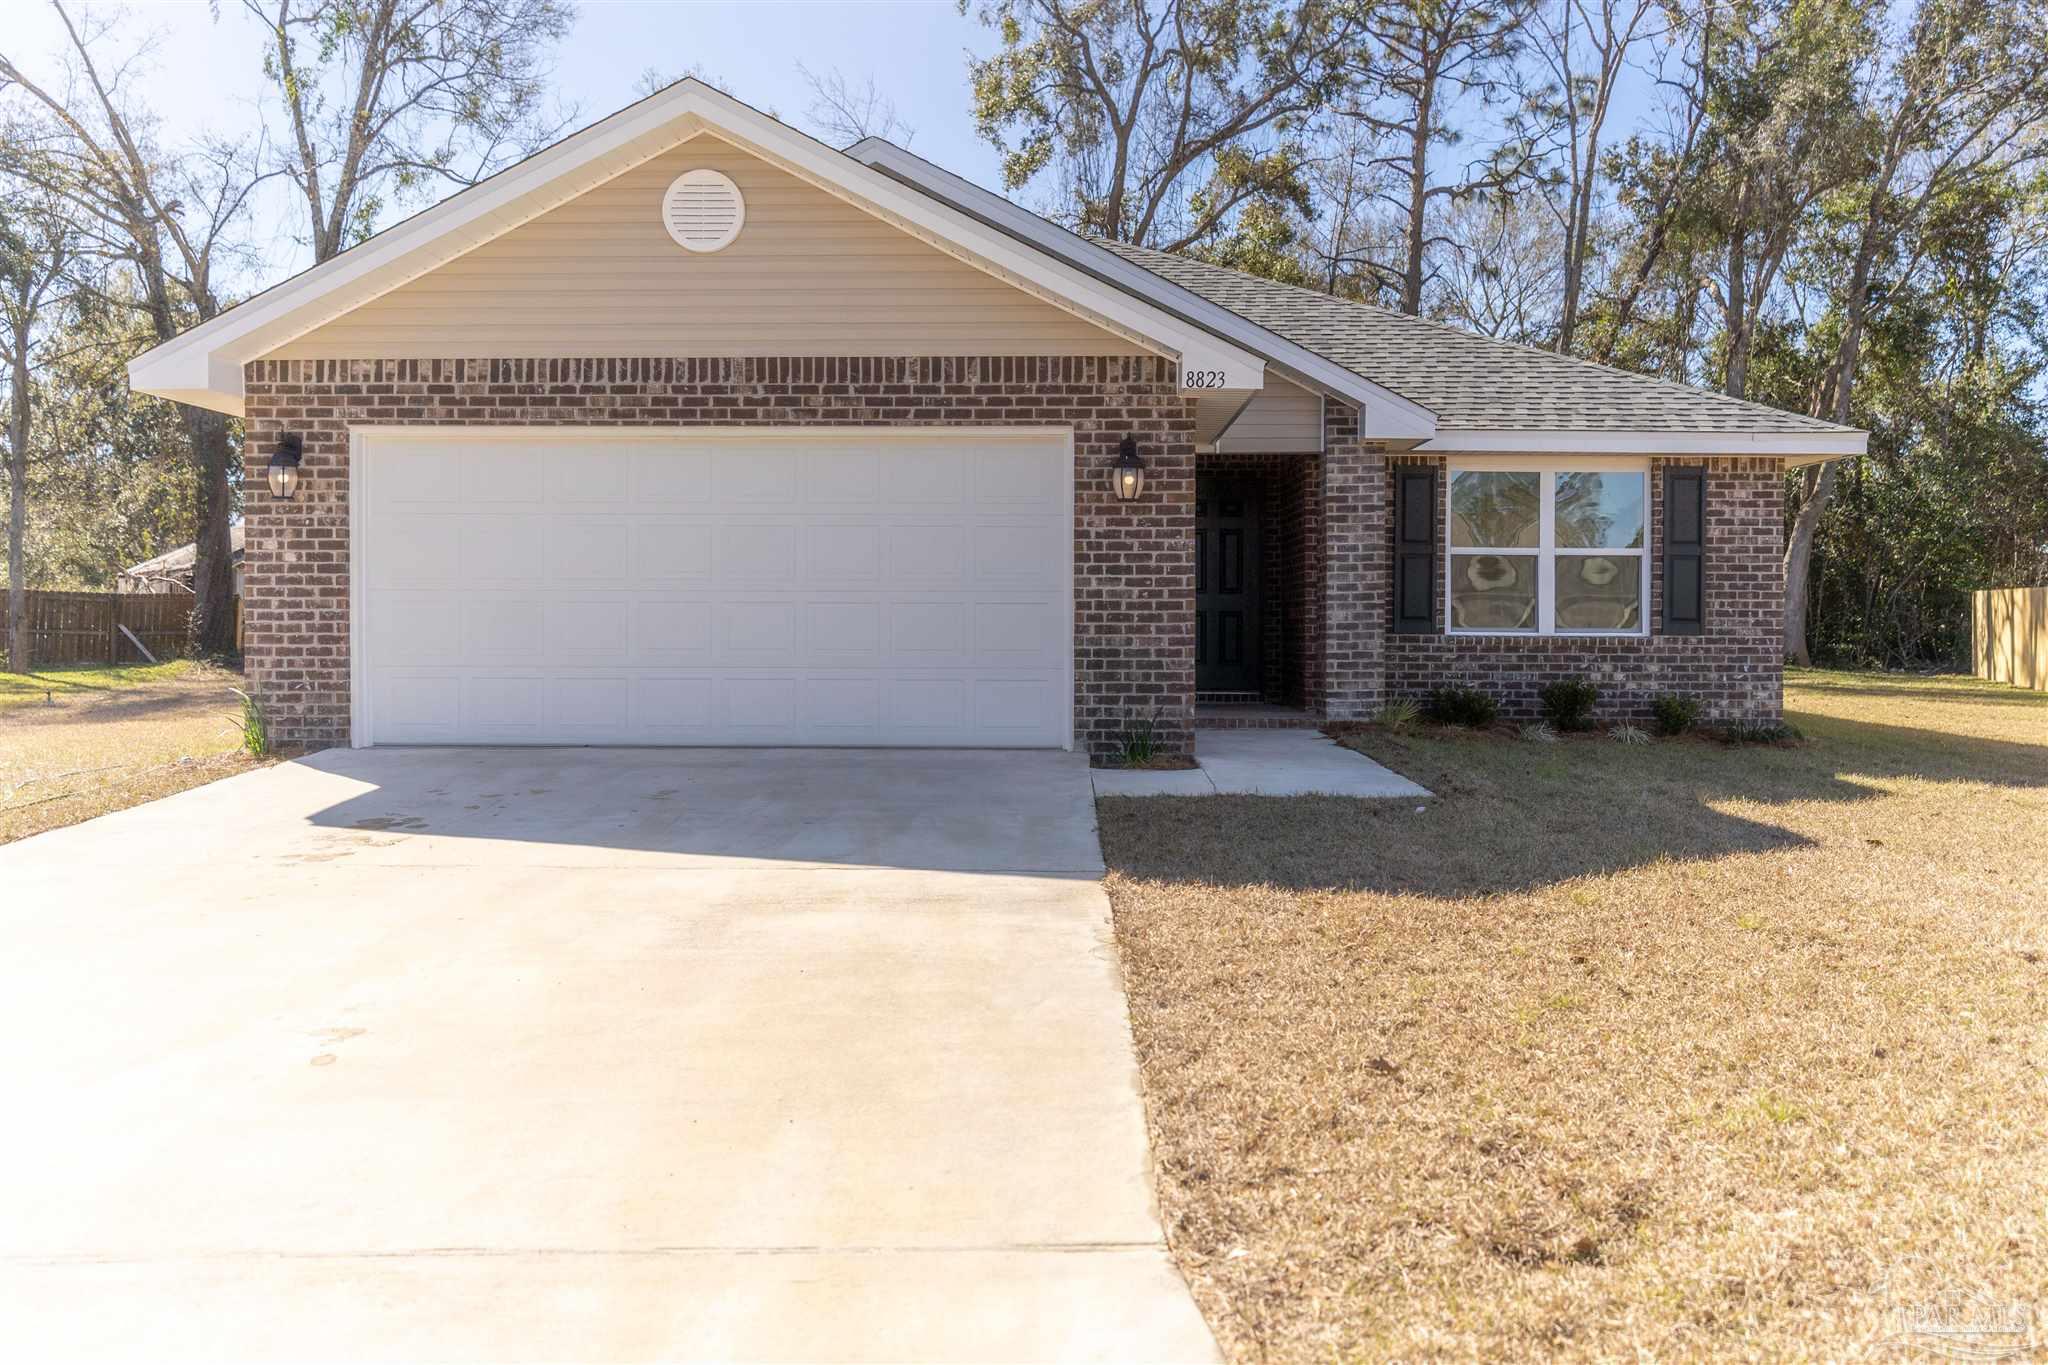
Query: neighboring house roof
point(203, 366)
point(1473, 383)
point(178, 563)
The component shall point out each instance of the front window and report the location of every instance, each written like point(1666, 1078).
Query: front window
point(1554, 549)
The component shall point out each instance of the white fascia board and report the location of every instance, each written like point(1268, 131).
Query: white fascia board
point(204, 365)
point(1801, 447)
point(1384, 414)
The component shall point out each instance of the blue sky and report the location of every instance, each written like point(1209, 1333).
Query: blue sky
point(203, 73)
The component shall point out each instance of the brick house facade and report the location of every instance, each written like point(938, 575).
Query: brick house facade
point(559, 295)
point(1133, 573)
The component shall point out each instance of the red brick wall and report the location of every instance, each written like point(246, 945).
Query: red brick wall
point(1133, 563)
point(1736, 668)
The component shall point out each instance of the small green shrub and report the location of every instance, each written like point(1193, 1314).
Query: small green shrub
point(1675, 714)
point(255, 727)
point(1568, 702)
point(1539, 732)
point(1760, 732)
point(1397, 715)
point(1628, 732)
point(1461, 706)
point(1141, 741)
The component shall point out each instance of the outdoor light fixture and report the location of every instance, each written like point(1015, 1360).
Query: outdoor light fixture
point(1127, 475)
point(284, 466)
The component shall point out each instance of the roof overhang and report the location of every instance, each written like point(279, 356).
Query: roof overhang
point(1383, 414)
point(203, 366)
point(1795, 447)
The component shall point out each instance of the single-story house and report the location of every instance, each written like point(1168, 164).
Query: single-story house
point(693, 430)
point(171, 571)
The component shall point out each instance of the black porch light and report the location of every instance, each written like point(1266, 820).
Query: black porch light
point(284, 466)
point(1127, 475)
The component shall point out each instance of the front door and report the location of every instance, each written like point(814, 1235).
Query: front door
point(1226, 585)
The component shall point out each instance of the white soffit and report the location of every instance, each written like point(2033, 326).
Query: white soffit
point(203, 366)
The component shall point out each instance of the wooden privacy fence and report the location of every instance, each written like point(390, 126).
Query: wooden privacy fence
point(2009, 635)
point(85, 627)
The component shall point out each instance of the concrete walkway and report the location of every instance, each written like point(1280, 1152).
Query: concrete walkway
point(1263, 763)
point(579, 1055)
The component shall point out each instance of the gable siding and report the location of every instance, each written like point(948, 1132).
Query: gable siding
point(1282, 419)
point(809, 275)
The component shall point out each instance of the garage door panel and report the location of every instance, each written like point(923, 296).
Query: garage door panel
point(872, 589)
point(927, 554)
point(588, 551)
point(498, 550)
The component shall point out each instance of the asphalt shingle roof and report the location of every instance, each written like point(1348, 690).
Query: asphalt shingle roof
point(1471, 382)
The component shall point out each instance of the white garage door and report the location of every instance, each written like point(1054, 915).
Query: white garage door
point(849, 588)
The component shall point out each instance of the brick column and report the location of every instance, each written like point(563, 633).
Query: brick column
point(1356, 574)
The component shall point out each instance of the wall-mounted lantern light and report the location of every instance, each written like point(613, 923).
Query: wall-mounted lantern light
point(284, 466)
point(1127, 475)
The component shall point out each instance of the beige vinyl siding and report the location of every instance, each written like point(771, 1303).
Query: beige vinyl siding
point(1281, 419)
point(809, 275)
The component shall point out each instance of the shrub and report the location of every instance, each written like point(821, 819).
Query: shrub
point(1398, 715)
point(1141, 741)
point(255, 727)
point(1628, 732)
point(1537, 732)
point(1462, 706)
point(1568, 702)
point(1760, 732)
point(1675, 714)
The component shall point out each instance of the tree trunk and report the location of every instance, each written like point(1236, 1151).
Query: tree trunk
point(17, 508)
point(1799, 549)
point(213, 583)
point(1418, 198)
point(1736, 378)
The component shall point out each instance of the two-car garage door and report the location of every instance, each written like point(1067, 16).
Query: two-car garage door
point(778, 587)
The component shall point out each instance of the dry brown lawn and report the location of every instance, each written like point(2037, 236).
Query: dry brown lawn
point(79, 742)
point(1677, 1051)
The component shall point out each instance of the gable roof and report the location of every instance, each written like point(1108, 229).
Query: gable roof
point(1479, 393)
point(1474, 383)
point(179, 562)
point(203, 366)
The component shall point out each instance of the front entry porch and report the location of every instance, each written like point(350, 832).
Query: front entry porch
point(1258, 591)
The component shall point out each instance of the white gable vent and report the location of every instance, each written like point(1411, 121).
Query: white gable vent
point(703, 210)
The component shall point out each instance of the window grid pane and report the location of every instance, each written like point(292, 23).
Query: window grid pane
point(1558, 585)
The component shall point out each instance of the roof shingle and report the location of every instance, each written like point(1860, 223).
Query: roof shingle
point(1471, 382)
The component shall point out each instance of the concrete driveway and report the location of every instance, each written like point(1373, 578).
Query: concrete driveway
point(579, 1055)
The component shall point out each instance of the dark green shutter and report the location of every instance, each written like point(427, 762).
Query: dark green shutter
point(1415, 577)
point(1685, 549)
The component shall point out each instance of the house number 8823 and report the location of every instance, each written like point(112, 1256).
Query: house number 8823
point(1201, 379)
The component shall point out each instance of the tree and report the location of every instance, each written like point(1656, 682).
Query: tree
point(1161, 118)
point(35, 255)
point(1586, 45)
point(386, 100)
point(1962, 107)
point(169, 221)
point(843, 115)
point(1425, 58)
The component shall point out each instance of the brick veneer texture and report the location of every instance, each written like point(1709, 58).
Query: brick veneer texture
point(1357, 568)
point(1736, 669)
point(1291, 568)
point(1133, 563)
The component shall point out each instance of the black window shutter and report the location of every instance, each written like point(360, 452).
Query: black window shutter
point(1415, 579)
point(1685, 549)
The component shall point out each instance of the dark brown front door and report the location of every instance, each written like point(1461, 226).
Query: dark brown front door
point(1226, 584)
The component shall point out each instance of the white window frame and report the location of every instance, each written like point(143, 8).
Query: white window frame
point(1546, 549)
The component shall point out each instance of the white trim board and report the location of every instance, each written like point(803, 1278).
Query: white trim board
point(203, 366)
point(365, 468)
point(1819, 445)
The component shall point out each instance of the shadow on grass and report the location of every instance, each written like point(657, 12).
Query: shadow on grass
point(1513, 816)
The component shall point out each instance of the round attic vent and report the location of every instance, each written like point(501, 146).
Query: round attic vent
point(703, 210)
